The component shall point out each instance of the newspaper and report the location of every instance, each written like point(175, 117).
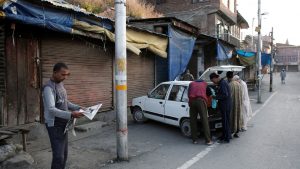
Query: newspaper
point(89, 112)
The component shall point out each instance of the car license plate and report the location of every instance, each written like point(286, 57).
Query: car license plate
point(218, 125)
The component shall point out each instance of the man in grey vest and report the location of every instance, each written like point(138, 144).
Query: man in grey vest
point(57, 112)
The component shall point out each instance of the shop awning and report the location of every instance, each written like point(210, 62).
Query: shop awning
point(67, 18)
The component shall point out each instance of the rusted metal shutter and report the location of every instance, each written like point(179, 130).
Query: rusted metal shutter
point(90, 66)
point(140, 74)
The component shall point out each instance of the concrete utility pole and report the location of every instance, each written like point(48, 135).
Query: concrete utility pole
point(252, 38)
point(121, 79)
point(259, 53)
point(271, 64)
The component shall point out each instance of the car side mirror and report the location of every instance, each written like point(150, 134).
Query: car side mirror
point(149, 93)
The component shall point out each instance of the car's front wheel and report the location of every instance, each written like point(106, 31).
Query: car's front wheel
point(185, 127)
point(138, 115)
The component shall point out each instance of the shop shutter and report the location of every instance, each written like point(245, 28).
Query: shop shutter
point(91, 69)
point(140, 74)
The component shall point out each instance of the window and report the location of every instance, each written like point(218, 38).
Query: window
point(185, 97)
point(160, 92)
point(176, 93)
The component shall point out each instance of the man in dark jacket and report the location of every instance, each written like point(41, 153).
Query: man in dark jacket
point(198, 105)
point(224, 101)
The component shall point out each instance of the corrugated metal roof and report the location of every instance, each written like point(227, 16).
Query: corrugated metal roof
point(67, 6)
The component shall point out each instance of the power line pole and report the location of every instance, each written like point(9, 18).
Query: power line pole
point(259, 52)
point(271, 64)
point(121, 79)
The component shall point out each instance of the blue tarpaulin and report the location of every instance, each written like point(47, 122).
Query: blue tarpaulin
point(180, 52)
point(51, 18)
point(245, 54)
point(265, 58)
point(223, 52)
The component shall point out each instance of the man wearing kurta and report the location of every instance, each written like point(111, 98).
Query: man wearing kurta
point(236, 95)
point(246, 106)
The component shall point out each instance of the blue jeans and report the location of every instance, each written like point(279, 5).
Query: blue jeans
point(59, 143)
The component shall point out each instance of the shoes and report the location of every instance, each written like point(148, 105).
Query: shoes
point(243, 130)
point(236, 135)
point(209, 143)
point(223, 141)
point(195, 142)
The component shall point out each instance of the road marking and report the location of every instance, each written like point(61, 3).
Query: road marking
point(266, 102)
point(203, 153)
point(199, 156)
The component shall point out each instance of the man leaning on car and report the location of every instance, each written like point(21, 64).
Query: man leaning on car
point(198, 104)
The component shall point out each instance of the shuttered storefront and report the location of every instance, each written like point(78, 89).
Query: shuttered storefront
point(90, 66)
point(140, 74)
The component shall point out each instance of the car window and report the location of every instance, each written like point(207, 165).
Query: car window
point(185, 97)
point(160, 92)
point(177, 93)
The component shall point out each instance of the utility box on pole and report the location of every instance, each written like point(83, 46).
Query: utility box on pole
point(121, 79)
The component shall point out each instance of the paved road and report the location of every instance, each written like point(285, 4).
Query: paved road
point(271, 142)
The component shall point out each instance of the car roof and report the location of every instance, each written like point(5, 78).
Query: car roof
point(226, 68)
point(177, 82)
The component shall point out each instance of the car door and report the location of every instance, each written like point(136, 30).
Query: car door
point(176, 105)
point(155, 103)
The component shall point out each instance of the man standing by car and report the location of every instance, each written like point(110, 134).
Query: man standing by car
point(236, 95)
point(58, 111)
point(198, 105)
point(246, 106)
point(224, 101)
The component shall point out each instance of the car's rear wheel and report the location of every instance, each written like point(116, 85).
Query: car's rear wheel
point(138, 115)
point(185, 127)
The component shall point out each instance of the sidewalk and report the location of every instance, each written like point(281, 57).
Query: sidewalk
point(96, 148)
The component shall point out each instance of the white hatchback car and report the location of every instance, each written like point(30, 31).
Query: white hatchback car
point(168, 102)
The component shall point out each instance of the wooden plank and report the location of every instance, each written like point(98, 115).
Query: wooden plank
point(22, 74)
point(33, 88)
point(12, 96)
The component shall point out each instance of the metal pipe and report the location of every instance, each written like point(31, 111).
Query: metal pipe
point(121, 79)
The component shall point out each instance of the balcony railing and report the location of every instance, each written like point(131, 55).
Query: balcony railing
point(230, 39)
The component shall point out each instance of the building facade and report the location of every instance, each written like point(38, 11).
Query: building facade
point(216, 18)
point(287, 57)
